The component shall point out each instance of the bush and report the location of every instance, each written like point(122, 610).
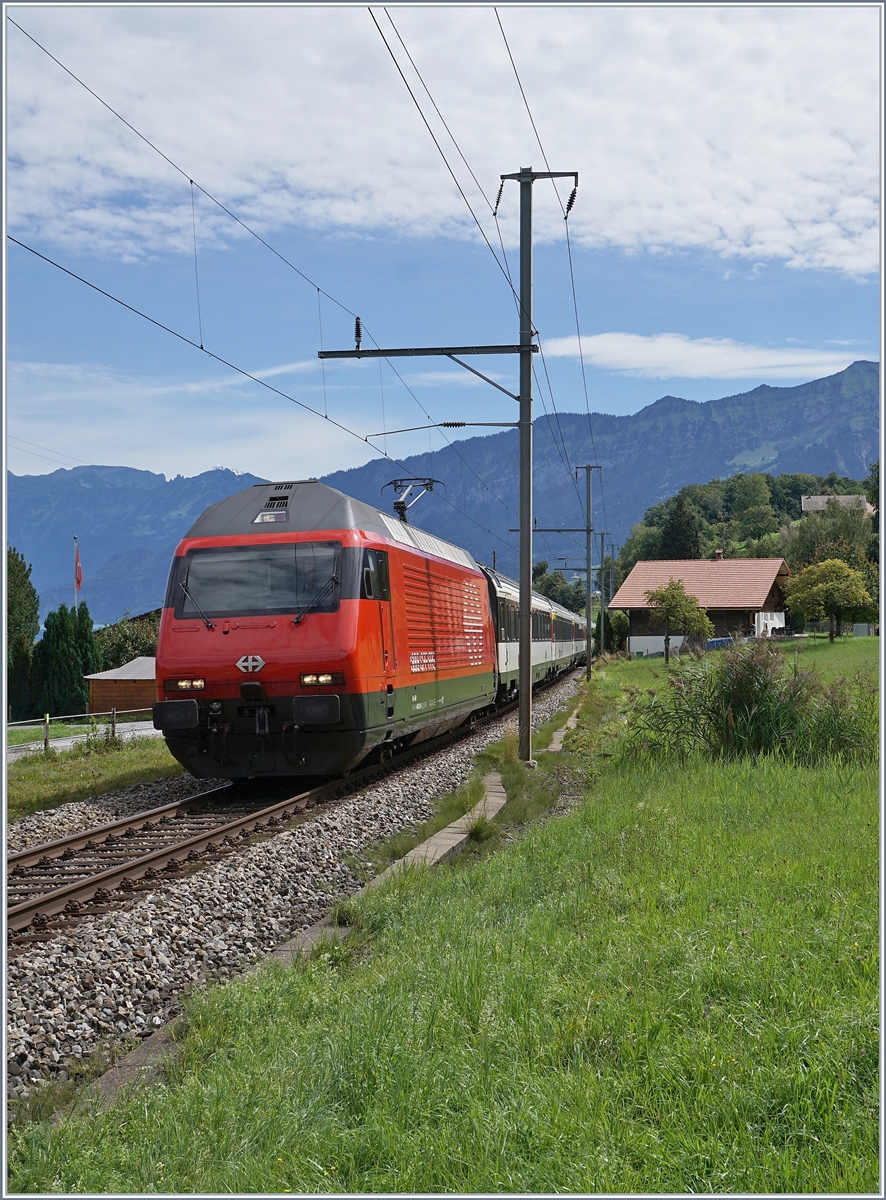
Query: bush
point(749, 701)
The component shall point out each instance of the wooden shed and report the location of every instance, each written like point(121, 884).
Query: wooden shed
point(742, 596)
point(126, 688)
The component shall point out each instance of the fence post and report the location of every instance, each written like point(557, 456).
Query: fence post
point(46, 731)
point(113, 722)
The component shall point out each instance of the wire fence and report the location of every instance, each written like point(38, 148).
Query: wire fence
point(73, 725)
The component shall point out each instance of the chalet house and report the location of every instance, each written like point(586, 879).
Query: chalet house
point(743, 597)
point(125, 688)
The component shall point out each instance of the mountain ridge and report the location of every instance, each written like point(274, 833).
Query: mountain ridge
point(130, 520)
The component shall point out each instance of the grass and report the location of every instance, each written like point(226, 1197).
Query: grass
point(34, 733)
point(674, 988)
point(42, 781)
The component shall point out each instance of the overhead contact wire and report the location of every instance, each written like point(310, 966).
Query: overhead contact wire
point(565, 211)
point(196, 278)
point(439, 147)
point(233, 367)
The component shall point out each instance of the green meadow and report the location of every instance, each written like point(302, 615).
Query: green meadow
point(674, 987)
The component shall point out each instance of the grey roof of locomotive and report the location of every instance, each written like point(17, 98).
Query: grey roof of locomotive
point(316, 506)
point(305, 505)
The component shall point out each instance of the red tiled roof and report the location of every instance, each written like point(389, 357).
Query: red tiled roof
point(720, 583)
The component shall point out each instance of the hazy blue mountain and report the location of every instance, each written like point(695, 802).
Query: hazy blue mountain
point(830, 424)
point(129, 521)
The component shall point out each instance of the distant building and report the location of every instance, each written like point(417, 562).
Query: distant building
point(126, 688)
point(820, 503)
point(743, 597)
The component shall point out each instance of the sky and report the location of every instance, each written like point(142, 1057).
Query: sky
point(725, 231)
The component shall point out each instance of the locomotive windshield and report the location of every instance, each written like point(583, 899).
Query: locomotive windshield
point(269, 580)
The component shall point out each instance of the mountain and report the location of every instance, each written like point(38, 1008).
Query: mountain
point(129, 521)
point(830, 424)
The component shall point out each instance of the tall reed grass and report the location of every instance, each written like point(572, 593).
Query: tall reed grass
point(751, 701)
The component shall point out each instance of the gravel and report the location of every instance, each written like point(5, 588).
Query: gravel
point(54, 823)
point(120, 975)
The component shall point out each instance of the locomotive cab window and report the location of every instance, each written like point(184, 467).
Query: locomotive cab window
point(267, 580)
point(374, 580)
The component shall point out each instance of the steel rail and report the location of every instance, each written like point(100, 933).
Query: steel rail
point(124, 875)
point(77, 841)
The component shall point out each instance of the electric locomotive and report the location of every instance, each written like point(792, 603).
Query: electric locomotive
point(303, 631)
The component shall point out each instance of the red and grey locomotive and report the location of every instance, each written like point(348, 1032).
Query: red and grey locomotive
point(303, 631)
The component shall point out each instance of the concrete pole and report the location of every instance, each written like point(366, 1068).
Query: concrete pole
point(525, 660)
point(589, 551)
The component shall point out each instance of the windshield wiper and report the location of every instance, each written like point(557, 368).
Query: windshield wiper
point(190, 595)
point(333, 580)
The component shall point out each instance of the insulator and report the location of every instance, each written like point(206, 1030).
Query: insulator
point(358, 332)
point(498, 198)
point(452, 424)
point(570, 202)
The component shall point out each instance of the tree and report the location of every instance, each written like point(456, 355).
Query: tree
point(746, 491)
point(22, 625)
point(829, 589)
point(678, 612)
point(757, 521)
point(127, 639)
point(872, 491)
point(617, 629)
point(66, 652)
point(804, 542)
point(87, 645)
point(680, 536)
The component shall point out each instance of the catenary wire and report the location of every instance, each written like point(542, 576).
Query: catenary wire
point(218, 358)
point(57, 453)
point(196, 277)
point(439, 147)
point(568, 248)
point(462, 156)
point(258, 237)
point(437, 111)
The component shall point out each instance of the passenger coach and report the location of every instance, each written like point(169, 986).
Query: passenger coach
point(304, 630)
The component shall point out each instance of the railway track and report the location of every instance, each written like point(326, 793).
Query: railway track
point(53, 886)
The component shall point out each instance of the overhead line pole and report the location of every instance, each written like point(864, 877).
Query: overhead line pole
point(526, 177)
point(589, 535)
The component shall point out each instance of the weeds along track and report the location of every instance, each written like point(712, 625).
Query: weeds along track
point(51, 887)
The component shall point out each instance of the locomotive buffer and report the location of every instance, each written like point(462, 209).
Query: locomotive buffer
point(526, 177)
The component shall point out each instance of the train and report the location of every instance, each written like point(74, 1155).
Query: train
point(304, 632)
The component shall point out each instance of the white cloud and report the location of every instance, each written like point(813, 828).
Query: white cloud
point(675, 356)
point(93, 414)
point(750, 132)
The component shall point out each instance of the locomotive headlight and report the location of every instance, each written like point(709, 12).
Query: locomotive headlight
point(324, 677)
point(307, 680)
point(184, 685)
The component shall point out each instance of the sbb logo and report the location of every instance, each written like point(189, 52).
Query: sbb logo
point(250, 663)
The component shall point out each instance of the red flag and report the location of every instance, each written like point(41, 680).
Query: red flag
point(78, 570)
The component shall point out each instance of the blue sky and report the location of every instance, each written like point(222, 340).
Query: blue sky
point(724, 234)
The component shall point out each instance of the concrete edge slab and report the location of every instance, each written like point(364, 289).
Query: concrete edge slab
point(560, 734)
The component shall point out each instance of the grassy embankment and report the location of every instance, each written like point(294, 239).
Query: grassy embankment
point(46, 780)
point(674, 988)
